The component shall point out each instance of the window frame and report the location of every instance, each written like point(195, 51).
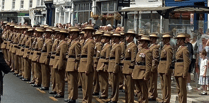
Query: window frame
point(21, 4)
point(3, 4)
point(30, 3)
point(13, 4)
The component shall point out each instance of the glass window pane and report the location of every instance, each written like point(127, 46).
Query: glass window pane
point(104, 6)
point(111, 6)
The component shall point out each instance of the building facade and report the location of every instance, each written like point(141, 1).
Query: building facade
point(15, 10)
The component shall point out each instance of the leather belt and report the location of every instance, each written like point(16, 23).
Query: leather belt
point(38, 53)
point(140, 63)
point(179, 60)
point(22, 50)
point(163, 59)
point(102, 57)
point(53, 52)
point(112, 58)
point(57, 54)
point(71, 56)
point(52, 57)
point(94, 55)
point(83, 56)
point(127, 58)
point(28, 52)
point(43, 51)
point(17, 47)
point(31, 53)
point(27, 46)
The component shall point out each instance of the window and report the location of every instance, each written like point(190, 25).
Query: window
point(3, 1)
point(22, 4)
point(42, 2)
point(38, 2)
point(31, 3)
point(13, 4)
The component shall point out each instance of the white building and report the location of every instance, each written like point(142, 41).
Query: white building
point(145, 17)
point(15, 10)
point(38, 12)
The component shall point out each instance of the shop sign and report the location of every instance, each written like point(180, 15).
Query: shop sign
point(124, 3)
point(23, 14)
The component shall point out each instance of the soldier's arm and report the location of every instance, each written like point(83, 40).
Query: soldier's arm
point(90, 56)
point(63, 50)
point(169, 59)
point(155, 55)
point(186, 62)
point(133, 56)
point(148, 61)
point(49, 47)
point(98, 51)
point(77, 51)
point(117, 58)
point(107, 54)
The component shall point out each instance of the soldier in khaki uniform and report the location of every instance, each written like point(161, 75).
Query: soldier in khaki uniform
point(128, 66)
point(103, 65)
point(123, 48)
point(142, 70)
point(114, 68)
point(60, 63)
point(86, 67)
point(97, 50)
point(181, 67)
point(44, 60)
point(4, 37)
point(154, 48)
point(72, 66)
point(32, 49)
point(81, 39)
point(11, 33)
point(164, 69)
point(8, 41)
point(14, 50)
point(52, 59)
point(27, 61)
point(36, 57)
point(21, 50)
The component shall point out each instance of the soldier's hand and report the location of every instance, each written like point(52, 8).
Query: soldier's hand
point(145, 78)
point(86, 72)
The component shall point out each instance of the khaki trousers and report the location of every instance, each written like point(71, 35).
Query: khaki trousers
point(20, 66)
point(12, 62)
point(166, 87)
point(152, 91)
point(181, 88)
point(27, 69)
point(103, 83)
point(129, 88)
point(45, 71)
point(32, 71)
point(142, 92)
point(115, 86)
point(96, 82)
point(9, 56)
point(53, 79)
point(60, 81)
point(16, 64)
point(37, 73)
point(87, 86)
point(79, 80)
point(121, 80)
point(72, 78)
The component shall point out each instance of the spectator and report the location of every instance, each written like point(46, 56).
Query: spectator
point(204, 73)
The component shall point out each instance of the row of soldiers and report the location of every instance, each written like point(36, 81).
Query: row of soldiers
point(94, 60)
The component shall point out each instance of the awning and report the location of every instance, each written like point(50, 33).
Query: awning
point(164, 11)
point(196, 9)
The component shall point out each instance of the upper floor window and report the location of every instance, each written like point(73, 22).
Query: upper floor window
point(22, 4)
point(31, 3)
point(13, 4)
point(3, 2)
point(42, 2)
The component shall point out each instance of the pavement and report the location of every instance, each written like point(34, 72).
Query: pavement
point(18, 91)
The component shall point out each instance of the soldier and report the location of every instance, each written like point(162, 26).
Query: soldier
point(32, 49)
point(142, 69)
point(113, 67)
point(123, 47)
point(27, 61)
point(164, 69)
point(59, 64)
point(128, 65)
point(181, 67)
point(44, 60)
point(154, 48)
point(36, 57)
point(81, 39)
point(86, 68)
point(52, 59)
point(72, 66)
point(4, 37)
point(14, 49)
point(97, 50)
point(8, 41)
point(10, 56)
point(103, 65)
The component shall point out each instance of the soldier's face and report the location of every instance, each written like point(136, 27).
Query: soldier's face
point(180, 41)
point(153, 40)
point(103, 39)
point(144, 43)
point(166, 40)
point(129, 37)
point(87, 33)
